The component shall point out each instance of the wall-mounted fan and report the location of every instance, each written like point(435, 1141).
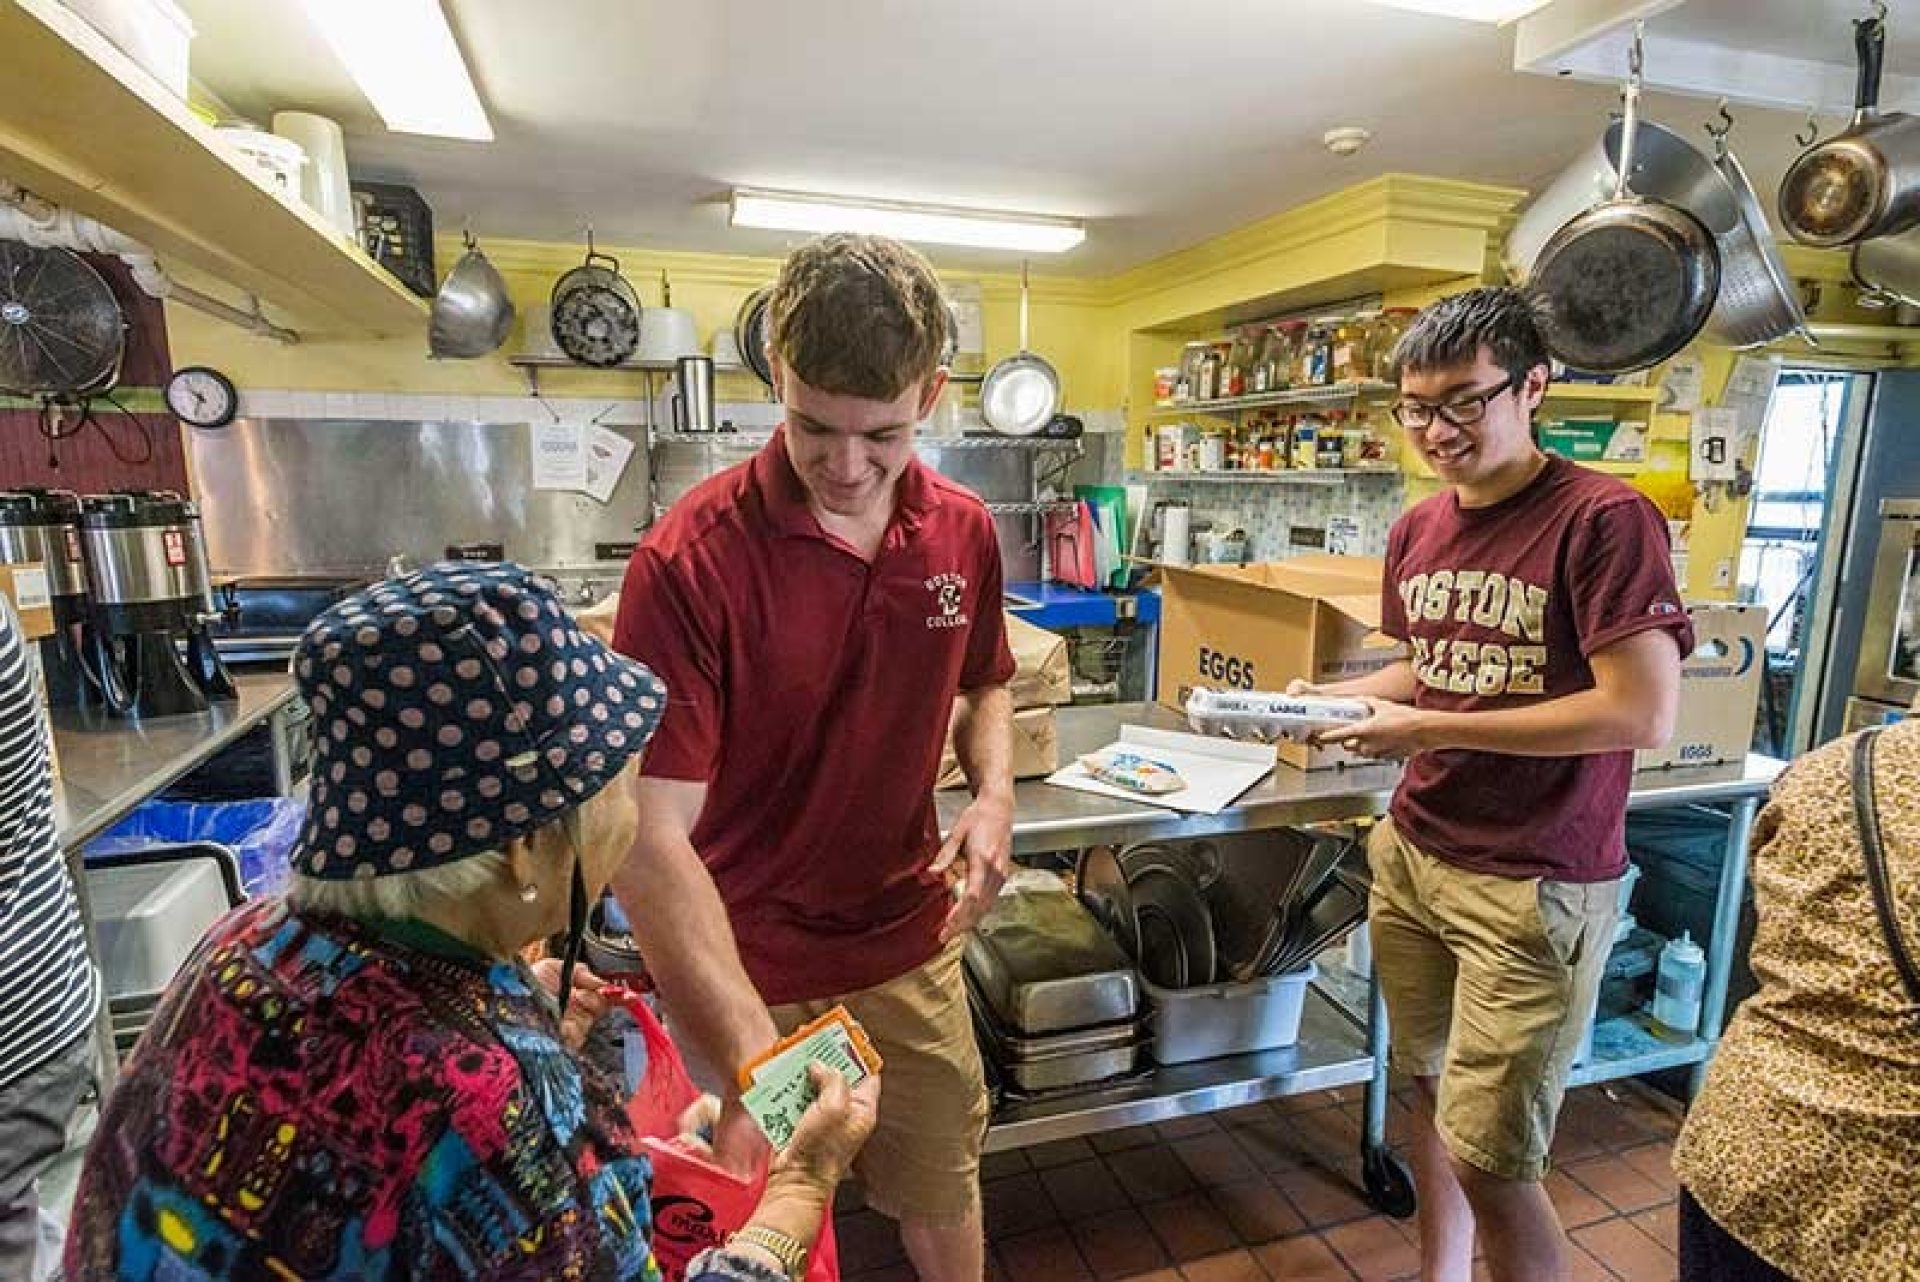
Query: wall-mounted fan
point(62, 333)
point(62, 338)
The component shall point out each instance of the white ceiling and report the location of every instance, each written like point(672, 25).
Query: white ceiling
point(1160, 122)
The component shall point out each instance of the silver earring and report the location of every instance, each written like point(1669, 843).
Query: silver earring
point(529, 893)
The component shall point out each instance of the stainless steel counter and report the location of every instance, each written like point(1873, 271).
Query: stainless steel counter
point(1047, 818)
point(108, 765)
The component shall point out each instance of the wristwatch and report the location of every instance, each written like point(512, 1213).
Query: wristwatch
point(783, 1247)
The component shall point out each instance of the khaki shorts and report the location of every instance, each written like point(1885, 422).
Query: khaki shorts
point(1488, 982)
point(922, 1162)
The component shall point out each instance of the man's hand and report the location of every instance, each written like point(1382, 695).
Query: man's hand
point(1300, 687)
point(1392, 732)
point(976, 856)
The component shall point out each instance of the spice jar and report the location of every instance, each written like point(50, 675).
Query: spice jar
point(1213, 451)
point(1288, 337)
point(1330, 444)
point(1315, 364)
point(1306, 441)
point(1187, 386)
point(1165, 380)
point(1348, 361)
point(1386, 335)
point(1206, 386)
point(1242, 357)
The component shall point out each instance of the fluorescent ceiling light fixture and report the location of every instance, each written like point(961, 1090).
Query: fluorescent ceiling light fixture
point(1470, 10)
point(928, 224)
point(402, 55)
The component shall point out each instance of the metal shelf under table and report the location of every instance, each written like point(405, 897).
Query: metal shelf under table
point(1331, 1052)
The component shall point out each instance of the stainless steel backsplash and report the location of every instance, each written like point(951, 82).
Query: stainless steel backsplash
point(305, 496)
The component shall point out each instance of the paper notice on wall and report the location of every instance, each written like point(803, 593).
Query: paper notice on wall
point(1749, 394)
point(1343, 536)
point(607, 455)
point(1681, 385)
point(559, 456)
point(1715, 445)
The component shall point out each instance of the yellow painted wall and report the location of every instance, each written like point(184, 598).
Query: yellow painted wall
point(1066, 325)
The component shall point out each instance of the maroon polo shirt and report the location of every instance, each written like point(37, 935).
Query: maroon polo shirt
point(1504, 606)
point(811, 691)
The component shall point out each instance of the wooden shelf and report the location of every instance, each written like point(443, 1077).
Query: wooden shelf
point(1608, 393)
point(86, 127)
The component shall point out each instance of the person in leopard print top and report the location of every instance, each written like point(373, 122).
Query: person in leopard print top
point(1798, 1158)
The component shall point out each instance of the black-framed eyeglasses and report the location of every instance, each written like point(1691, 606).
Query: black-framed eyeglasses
point(1464, 411)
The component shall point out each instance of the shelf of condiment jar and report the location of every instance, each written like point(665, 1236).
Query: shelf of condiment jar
point(1297, 475)
point(1305, 397)
point(1607, 392)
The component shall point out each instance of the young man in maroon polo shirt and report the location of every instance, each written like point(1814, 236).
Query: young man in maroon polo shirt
point(1546, 636)
point(815, 612)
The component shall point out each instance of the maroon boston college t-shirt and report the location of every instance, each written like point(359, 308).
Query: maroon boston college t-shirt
point(1502, 606)
point(811, 690)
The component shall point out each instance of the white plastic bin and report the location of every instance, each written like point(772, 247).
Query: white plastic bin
point(156, 34)
point(1189, 1024)
point(148, 917)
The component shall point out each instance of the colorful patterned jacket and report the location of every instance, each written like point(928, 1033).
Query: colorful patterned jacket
point(316, 1100)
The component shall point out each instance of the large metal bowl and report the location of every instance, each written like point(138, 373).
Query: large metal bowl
point(472, 313)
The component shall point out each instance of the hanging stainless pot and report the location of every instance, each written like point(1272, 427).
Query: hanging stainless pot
point(1758, 302)
point(1666, 167)
point(1865, 181)
point(1887, 270)
point(596, 313)
point(1630, 282)
point(472, 312)
point(1021, 393)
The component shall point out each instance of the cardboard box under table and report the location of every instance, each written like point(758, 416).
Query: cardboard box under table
point(1257, 627)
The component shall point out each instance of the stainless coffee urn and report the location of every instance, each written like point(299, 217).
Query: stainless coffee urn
point(43, 526)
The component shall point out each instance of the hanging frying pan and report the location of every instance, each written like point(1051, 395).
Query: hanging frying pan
point(1864, 181)
point(750, 332)
point(1629, 282)
point(1020, 394)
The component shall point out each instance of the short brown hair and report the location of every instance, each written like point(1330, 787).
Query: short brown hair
point(858, 316)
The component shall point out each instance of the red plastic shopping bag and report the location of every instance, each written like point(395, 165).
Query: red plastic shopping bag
point(696, 1204)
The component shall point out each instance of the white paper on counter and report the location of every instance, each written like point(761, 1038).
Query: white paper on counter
point(559, 455)
point(607, 455)
point(1715, 455)
point(1217, 771)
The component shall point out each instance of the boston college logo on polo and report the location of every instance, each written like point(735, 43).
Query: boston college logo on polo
point(949, 591)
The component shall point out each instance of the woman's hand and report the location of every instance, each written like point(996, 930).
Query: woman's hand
point(831, 1131)
point(584, 1007)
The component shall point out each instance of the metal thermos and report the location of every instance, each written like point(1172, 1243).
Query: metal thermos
point(42, 527)
point(693, 394)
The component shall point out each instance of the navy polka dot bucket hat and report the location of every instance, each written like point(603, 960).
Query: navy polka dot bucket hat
point(454, 709)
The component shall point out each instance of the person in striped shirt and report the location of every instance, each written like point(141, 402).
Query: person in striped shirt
point(48, 991)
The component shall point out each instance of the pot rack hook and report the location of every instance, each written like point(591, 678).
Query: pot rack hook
point(1718, 127)
point(1636, 52)
point(1808, 136)
point(1879, 10)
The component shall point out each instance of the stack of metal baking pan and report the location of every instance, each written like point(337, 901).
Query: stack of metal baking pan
point(1056, 1004)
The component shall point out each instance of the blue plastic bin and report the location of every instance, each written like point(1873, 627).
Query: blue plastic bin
point(260, 833)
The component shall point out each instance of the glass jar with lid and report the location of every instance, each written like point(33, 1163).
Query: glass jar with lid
point(1387, 333)
point(1349, 358)
point(1315, 362)
point(1186, 385)
point(1242, 358)
point(1206, 384)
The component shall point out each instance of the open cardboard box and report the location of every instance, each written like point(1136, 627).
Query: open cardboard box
point(1257, 627)
point(1719, 689)
point(26, 586)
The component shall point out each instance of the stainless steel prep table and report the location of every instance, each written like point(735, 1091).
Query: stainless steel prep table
point(108, 766)
point(1343, 1032)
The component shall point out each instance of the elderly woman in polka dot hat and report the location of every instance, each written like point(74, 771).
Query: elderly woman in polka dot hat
point(362, 1080)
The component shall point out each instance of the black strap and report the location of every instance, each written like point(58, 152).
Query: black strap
point(1876, 859)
